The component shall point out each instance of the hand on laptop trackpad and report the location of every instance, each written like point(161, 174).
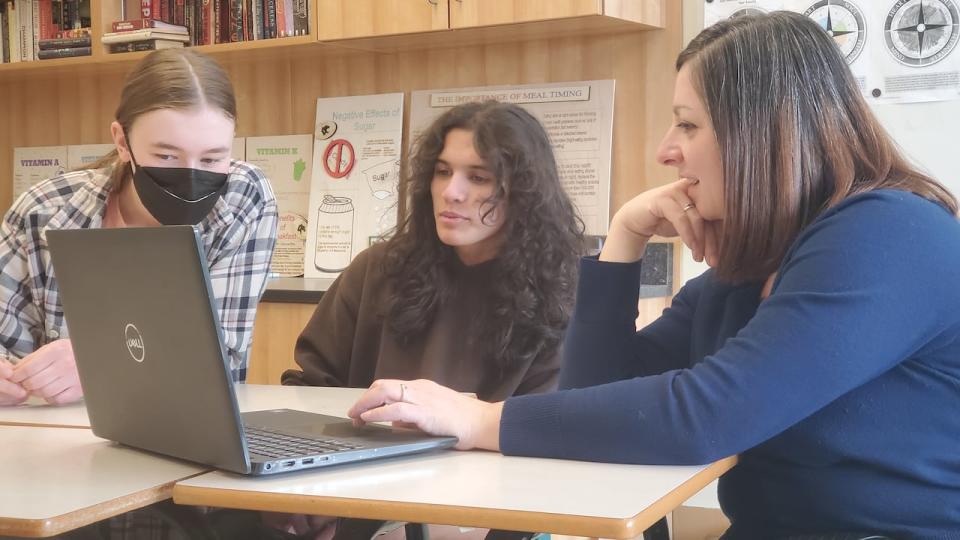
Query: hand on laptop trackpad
point(319, 425)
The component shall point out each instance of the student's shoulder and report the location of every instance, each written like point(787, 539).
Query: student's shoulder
point(50, 196)
point(365, 276)
point(370, 260)
point(249, 182)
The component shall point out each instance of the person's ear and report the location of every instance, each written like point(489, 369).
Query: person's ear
point(120, 141)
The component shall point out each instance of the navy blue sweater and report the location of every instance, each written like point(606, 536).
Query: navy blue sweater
point(840, 391)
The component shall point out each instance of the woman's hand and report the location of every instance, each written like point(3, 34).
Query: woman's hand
point(50, 372)
point(432, 408)
point(666, 211)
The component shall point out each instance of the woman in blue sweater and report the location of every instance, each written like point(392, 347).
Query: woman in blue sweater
point(823, 346)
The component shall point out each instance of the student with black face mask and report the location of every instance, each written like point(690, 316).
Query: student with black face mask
point(173, 132)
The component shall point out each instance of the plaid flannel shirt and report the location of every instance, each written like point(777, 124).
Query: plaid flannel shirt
point(238, 238)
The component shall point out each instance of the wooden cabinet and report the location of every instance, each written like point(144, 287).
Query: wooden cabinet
point(275, 334)
point(469, 13)
point(474, 13)
point(345, 19)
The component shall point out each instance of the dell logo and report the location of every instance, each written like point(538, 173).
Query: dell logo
point(134, 342)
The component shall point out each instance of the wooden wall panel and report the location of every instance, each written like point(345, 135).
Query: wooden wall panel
point(53, 110)
point(274, 336)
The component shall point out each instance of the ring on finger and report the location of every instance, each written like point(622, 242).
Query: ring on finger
point(687, 206)
point(403, 391)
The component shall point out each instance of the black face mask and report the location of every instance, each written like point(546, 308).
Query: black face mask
point(177, 196)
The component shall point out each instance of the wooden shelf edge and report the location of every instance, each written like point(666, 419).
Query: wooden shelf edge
point(450, 37)
point(50, 64)
point(96, 61)
point(462, 516)
point(502, 33)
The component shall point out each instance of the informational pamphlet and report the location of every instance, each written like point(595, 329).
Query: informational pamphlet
point(82, 156)
point(286, 160)
point(356, 175)
point(34, 164)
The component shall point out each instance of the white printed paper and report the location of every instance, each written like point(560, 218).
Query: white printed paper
point(82, 156)
point(899, 51)
point(239, 149)
point(32, 165)
point(286, 161)
point(356, 174)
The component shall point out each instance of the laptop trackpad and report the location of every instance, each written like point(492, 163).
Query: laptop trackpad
point(312, 425)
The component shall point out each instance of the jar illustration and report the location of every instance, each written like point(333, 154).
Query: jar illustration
point(334, 234)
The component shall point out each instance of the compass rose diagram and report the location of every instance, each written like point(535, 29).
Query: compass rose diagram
point(922, 32)
point(845, 23)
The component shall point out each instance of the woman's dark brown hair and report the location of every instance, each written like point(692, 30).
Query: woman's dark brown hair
point(536, 266)
point(795, 135)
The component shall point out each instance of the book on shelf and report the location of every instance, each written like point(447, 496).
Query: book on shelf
point(144, 35)
point(270, 23)
point(281, 8)
point(25, 31)
point(140, 24)
point(288, 18)
point(65, 43)
point(148, 45)
point(74, 15)
point(30, 26)
point(4, 58)
point(301, 20)
point(46, 54)
point(13, 32)
point(43, 19)
point(73, 33)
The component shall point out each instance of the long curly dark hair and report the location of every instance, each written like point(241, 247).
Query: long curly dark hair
point(536, 267)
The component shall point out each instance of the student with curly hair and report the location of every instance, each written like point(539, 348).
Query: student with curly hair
point(476, 287)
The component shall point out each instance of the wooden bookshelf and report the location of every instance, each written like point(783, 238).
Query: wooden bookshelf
point(635, 42)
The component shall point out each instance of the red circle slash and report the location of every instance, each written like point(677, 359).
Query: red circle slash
point(341, 151)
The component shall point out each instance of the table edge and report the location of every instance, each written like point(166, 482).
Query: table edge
point(518, 520)
point(51, 526)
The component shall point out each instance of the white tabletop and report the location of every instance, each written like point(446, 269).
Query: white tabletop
point(250, 397)
point(36, 412)
point(55, 479)
point(480, 489)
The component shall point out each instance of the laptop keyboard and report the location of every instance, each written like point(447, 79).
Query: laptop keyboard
point(274, 444)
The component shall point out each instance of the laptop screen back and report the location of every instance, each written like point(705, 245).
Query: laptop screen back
point(147, 341)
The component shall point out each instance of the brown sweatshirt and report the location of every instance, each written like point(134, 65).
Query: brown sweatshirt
point(347, 342)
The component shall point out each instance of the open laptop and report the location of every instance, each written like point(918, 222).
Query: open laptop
point(149, 349)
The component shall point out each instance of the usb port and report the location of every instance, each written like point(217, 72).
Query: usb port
point(290, 463)
point(307, 461)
